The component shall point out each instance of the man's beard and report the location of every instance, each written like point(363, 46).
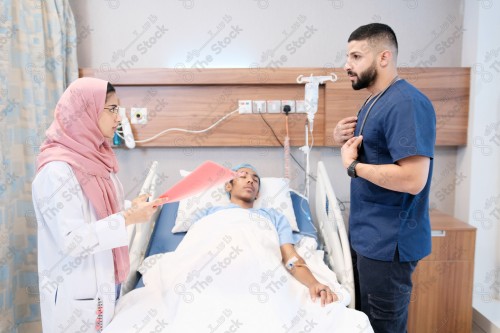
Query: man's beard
point(365, 79)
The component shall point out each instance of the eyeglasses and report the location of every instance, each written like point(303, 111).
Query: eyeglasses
point(114, 109)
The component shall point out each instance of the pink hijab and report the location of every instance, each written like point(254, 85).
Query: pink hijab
point(74, 137)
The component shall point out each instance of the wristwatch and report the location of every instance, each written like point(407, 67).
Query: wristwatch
point(351, 170)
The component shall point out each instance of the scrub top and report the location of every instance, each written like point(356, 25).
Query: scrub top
point(401, 123)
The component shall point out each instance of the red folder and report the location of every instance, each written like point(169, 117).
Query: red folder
point(202, 178)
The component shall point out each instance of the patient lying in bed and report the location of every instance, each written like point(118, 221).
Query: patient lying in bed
point(237, 270)
point(243, 191)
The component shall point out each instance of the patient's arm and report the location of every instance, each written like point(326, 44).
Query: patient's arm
point(301, 272)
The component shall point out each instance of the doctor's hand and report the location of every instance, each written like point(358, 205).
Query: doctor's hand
point(142, 210)
point(344, 129)
point(349, 150)
point(319, 290)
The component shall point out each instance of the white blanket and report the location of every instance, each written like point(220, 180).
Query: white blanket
point(227, 276)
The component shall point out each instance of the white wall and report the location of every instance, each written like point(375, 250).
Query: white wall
point(262, 28)
point(478, 197)
point(112, 32)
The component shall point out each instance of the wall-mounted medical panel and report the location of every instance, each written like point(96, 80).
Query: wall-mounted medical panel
point(195, 99)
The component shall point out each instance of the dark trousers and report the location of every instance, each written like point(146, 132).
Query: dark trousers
point(384, 289)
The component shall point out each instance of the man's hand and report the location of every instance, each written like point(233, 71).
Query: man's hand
point(344, 130)
point(319, 290)
point(349, 150)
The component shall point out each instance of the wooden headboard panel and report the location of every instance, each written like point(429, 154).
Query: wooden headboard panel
point(196, 98)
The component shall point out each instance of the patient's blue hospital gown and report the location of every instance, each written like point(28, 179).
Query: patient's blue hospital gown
point(280, 222)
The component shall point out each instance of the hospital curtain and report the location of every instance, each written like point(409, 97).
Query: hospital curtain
point(37, 61)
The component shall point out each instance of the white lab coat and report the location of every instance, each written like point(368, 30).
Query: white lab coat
point(75, 259)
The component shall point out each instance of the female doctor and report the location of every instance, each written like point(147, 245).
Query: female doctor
point(82, 236)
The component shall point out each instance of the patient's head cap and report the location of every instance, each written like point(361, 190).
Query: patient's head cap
point(245, 165)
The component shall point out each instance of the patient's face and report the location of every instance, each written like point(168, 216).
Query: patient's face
point(246, 186)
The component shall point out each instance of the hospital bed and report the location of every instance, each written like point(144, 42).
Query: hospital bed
point(252, 288)
point(328, 231)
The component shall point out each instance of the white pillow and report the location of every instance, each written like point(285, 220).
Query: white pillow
point(274, 193)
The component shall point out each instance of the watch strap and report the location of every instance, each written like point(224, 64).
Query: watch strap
point(351, 170)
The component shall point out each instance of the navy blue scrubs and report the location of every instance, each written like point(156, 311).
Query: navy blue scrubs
point(389, 230)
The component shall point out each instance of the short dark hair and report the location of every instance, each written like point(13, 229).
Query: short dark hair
point(374, 33)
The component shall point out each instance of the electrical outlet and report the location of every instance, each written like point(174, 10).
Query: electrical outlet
point(259, 107)
point(138, 116)
point(300, 106)
point(273, 106)
point(291, 103)
point(244, 106)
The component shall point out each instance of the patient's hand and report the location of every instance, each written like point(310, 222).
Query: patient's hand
point(319, 290)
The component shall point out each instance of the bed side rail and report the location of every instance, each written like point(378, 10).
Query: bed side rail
point(332, 231)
